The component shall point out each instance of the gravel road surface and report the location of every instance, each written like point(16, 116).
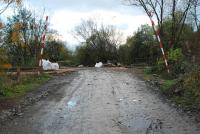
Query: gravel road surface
point(100, 101)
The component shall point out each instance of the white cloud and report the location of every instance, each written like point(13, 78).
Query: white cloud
point(66, 14)
point(64, 21)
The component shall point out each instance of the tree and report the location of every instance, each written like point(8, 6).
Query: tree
point(186, 30)
point(28, 34)
point(6, 3)
point(55, 51)
point(172, 8)
point(100, 42)
point(154, 6)
point(19, 35)
point(124, 53)
point(3, 57)
point(20, 38)
point(141, 47)
point(194, 12)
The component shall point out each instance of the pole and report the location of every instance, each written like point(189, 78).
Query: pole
point(43, 43)
point(157, 34)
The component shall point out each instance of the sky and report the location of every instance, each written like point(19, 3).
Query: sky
point(66, 14)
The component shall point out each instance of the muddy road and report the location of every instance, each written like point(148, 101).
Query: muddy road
point(100, 101)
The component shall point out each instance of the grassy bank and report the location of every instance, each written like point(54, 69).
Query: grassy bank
point(183, 90)
point(9, 88)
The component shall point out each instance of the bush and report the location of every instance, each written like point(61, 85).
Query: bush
point(160, 67)
point(190, 89)
point(148, 70)
point(178, 63)
point(166, 86)
point(9, 88)
point(4, 83)
point(175, 54)
point(180, 67)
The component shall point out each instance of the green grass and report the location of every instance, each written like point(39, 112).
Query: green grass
point(184, 90)
point(27, 84)
point(166, 85)
point(147, 77)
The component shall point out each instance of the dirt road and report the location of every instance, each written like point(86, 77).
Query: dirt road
point(100, 101)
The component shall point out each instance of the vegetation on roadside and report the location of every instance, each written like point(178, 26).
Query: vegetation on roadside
point(183, 90)
point(20, 47)
point(178, 27)
point(9, 88)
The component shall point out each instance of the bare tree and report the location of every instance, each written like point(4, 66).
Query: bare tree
point(100, 41)
point(89, 29)
point(4, 4)
point(178, 10)
point(194, 12)
point(154, 6)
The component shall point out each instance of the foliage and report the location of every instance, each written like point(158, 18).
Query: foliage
point(166, 86)
point(19, 34)
point(175, 54)
point(3, 80)
point(189, 85)
point(3, 57)
point(174, 10)
point(124, 53)
point(85, 56)
point(141, 47)
point(11, 89)
point(56, 51)
point(167, 34)
point(6, 3)
point(148, 70)
point(100, 43)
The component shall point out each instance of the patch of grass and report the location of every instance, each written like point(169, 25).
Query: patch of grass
point(184, 90)
point(190, 85)
point(147, 77)
point(27, 84)
point(147, 73)
point(166, 85)
point(148, 70)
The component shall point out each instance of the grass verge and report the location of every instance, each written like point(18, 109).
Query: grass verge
point(11, 89)
point(184, 90)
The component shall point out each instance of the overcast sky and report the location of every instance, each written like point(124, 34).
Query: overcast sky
point(66, 14)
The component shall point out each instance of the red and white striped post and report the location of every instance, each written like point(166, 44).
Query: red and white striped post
point(43, 41)
point(157, 34)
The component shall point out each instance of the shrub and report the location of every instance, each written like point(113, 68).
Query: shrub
point(4, 83)
point(161, 65)
point(166, 86)
point(190, 89)
point(175, 54)
point(180, 67)
point(148, 70)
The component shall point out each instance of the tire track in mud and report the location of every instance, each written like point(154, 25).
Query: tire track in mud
point(143, 112)
point(101, 101)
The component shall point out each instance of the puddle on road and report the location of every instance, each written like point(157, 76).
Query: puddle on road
point(72, 103)
point(137, 125)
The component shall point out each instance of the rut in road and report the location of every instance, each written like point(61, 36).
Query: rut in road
point(101, 101)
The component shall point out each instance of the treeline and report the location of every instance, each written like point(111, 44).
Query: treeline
point(21, 42)
point(103, 43)
point(178, 26)
point(99, 43)
point(21, 37)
